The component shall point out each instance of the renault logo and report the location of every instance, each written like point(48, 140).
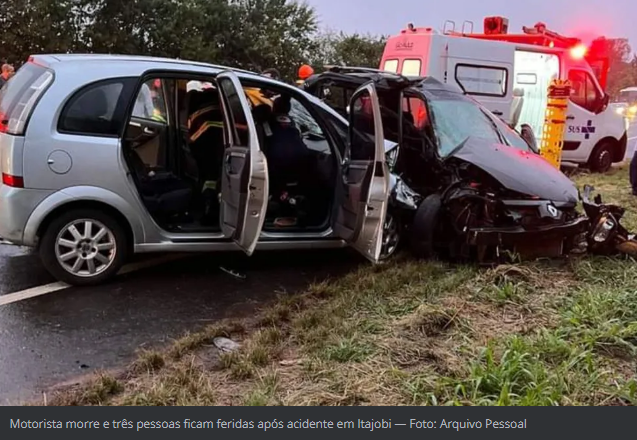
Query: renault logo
point(553, 210)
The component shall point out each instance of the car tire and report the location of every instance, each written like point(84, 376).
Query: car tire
point(392, 235)
point(602, 157)
point(425, 226)
point(80, 259)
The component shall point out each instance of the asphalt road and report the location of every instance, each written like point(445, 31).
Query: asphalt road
point(57, 337)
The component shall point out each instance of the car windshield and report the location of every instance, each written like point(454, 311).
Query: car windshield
point(456, 118)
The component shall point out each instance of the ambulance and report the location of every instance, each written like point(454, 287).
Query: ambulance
point(510, 75)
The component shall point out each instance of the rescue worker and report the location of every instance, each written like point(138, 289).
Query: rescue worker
point(206, 141)
point(305, 71)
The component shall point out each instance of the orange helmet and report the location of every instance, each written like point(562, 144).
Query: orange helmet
point(305, 71)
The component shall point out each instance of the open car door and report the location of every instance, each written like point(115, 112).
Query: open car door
point(244, 182)
point(363, 192)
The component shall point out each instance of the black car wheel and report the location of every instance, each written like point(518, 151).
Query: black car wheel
point(425, 226)
point(602, 158)
point(83, 247)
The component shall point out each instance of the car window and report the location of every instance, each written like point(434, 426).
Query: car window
point(415, 112)
point(339, 128)
point(150, 102)
point(583, 90)
point(92, 110)
point(363, 145)
point(456, 118)
point(240, 134)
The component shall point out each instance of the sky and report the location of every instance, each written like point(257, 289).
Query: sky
point(585, 19)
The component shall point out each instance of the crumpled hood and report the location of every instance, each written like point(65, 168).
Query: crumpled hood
point(518, 170)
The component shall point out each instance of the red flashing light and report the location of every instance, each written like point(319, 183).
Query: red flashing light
point(12, 181)
point(579, 52)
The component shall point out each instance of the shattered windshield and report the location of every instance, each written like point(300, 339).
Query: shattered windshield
point(456, 118)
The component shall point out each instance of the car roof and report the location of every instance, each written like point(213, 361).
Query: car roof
point(139, 64)
point(357, 76)
point(53, 61)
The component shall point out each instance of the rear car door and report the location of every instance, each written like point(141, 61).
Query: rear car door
point(244, 186)
point(362, 195)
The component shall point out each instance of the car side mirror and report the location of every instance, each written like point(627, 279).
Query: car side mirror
point(603, 103)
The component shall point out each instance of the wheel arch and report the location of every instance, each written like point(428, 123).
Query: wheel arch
point(619, 147)
point(83, 198)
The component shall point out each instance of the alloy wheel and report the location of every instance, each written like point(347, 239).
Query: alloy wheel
point(391, 237)
point(85, 248)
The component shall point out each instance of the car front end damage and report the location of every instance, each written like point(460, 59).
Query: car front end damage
point(500, 204)
point(491, 228)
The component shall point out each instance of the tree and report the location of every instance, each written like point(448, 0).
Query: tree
point(271, 33)
point(37, 26)
point(349, 50)
point(623, 70)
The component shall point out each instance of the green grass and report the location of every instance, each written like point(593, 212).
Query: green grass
point(562, 332)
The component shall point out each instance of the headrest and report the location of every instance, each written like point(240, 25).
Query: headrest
point(261, 113)
point(282, 105)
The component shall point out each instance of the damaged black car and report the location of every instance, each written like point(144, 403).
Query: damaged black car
point(463, 183)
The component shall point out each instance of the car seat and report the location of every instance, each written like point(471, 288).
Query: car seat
point(288, 161)
point(262, 115)
point(287, 151)
point(163, 193)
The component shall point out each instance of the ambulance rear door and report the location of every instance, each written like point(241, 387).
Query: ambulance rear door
point(484, 70)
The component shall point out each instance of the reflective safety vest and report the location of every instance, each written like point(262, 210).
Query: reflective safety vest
point(157, 116)
point(205, 124)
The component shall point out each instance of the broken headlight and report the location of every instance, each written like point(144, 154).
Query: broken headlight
point(603, 229)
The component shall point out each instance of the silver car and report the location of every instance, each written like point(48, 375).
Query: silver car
point(104, 156)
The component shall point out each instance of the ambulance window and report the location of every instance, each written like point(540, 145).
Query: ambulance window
point(391, 66)
point(411, 68)
point(583, 90)
point(482, 80)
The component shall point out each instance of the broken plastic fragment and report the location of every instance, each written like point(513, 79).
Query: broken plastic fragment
point(233, 273)
point(226, 345)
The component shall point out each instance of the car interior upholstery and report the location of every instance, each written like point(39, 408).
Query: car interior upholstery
point(184, 197)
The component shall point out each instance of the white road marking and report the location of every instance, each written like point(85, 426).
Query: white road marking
point(32, 293)
point(55, 287)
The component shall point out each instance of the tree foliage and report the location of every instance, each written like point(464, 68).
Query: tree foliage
point(348, 50)
point(252, 34)
point(623, 65)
